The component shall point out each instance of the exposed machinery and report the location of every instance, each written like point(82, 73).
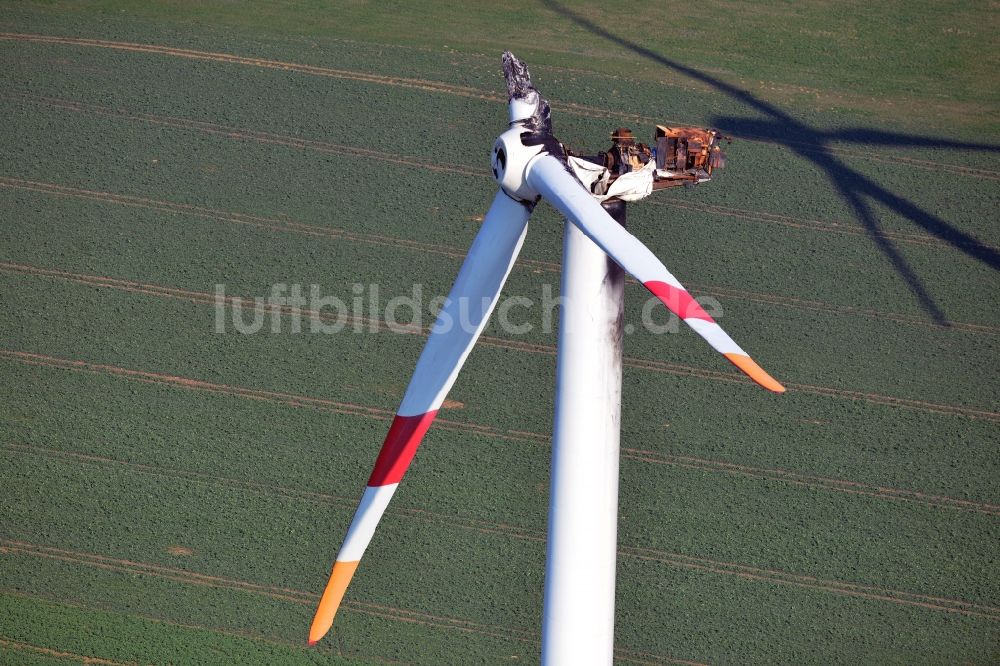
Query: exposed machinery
point(630, 170)
point(679, 153)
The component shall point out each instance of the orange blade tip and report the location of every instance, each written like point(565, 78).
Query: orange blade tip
point(330, 602)
point(755, 372)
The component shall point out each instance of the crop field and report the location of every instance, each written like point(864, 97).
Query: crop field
point(174, 490)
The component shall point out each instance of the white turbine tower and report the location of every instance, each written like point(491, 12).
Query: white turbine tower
point(529, 164)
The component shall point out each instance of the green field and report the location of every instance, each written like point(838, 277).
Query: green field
point(170, 494)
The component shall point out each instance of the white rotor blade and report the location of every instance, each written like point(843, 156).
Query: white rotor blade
point(550, 177)
point(458, 326)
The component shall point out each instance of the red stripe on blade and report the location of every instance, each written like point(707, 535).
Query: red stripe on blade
point(399, 446)
point(678, 301)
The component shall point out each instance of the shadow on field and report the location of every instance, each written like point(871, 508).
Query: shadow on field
point(813, 144)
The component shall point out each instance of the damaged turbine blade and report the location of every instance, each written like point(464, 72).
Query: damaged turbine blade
point(527, 106)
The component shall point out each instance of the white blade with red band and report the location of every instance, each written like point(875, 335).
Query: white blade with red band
point(550, 177)
point(461, 320)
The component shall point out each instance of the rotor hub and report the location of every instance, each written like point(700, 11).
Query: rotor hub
point(511, 157)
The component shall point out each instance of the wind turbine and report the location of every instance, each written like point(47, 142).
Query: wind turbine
point(530, 164)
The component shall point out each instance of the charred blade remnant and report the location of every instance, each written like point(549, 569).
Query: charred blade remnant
point(520, 88)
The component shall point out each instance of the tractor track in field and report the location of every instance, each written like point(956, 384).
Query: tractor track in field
point(288, 226)
point(279, 593)
point(301, 597)
point(256, 637)
point(249, 135)
point(846, 228)
point(672, 559)
point(231, 132)
point(811, 481)
point(461, 91)
point(375, 325)
point(60, 654)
